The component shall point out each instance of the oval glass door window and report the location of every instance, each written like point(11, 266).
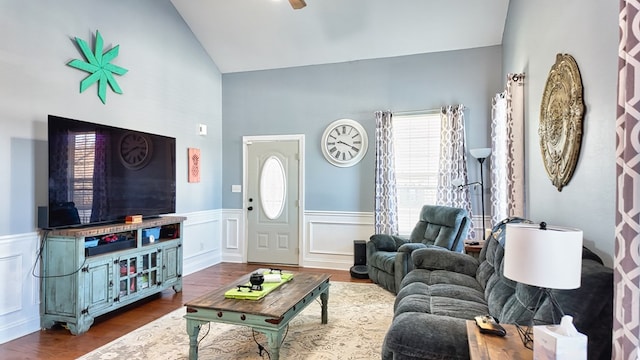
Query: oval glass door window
point(273, 185)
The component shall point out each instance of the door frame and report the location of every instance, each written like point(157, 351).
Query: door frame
point(246, 140)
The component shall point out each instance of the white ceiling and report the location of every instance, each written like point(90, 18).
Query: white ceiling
point(245, 35)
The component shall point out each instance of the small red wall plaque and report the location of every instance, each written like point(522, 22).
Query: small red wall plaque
point(194, 165)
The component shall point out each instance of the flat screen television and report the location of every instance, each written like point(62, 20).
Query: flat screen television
point(101, 174)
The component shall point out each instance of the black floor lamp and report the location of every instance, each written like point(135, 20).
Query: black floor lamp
point(481, 154)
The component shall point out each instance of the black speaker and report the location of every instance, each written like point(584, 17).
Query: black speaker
point(359, 252)
point(359, 268)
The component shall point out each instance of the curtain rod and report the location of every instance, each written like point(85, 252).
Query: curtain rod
point(417, 112)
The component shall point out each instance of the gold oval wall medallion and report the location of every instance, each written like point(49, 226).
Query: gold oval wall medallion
point(561, 115)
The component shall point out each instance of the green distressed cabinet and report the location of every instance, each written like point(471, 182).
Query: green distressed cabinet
point(89, 271)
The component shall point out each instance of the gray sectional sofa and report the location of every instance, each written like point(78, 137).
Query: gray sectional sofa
point(447, 288)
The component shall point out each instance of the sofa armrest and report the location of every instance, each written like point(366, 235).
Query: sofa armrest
point(384, 242)
point(442, 259)
point(403, 262)
point(410, 247)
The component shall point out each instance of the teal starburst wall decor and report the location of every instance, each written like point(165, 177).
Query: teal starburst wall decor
point(98, 65)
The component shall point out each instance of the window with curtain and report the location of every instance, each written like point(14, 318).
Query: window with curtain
point(83, 168)
point(416, 141)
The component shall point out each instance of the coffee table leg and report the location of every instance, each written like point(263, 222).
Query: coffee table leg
point(324, 298)
point(275, 339)
point(193, 328)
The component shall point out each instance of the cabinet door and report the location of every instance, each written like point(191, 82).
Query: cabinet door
point(171, 263)
point(98, 285)
point(127, 276)
point(149, 271)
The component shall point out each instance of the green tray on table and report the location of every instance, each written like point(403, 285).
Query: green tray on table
point(267, 287)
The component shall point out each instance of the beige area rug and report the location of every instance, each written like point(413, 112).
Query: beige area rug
point(359, 316)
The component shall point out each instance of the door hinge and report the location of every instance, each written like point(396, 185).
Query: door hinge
point(85, 269)
point(116, 299)
point(84, 311)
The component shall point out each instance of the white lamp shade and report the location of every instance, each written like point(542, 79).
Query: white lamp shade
point(480, 153)
point(549, 258)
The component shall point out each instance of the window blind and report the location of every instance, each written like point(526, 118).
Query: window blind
point(416, 141)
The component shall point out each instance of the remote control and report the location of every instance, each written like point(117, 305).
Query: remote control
point(489, 325)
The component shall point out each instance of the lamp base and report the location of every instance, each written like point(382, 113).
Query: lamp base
point(526, 332)
point(526, 335)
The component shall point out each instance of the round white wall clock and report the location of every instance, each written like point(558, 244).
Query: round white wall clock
point(344, 142)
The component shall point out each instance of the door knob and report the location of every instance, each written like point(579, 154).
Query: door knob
point(250, 208)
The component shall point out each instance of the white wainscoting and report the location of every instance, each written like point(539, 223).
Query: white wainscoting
point(19, 289)
point(233, 236)
point(329, 237)
point(20, 315)
point(201, 241)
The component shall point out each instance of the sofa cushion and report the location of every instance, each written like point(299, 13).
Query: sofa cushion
point(383, 260)
point(449, 300)
point(439, 290)
point(437, 258)
point(408, 338)
point(438, 225)
point(432, 277)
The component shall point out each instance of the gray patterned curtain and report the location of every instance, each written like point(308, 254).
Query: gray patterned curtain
point(626, 326)
point(507, 151)
point(59, 167)
point(99, 185)
point(453, 161)
point(386, 200)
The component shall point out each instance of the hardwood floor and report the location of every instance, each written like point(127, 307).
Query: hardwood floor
point(58, 343)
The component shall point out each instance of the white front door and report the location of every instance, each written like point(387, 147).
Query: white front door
point(272, 199)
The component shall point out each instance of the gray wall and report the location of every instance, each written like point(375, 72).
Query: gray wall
point(588, 30)
point(305, 100)
point(171, 87)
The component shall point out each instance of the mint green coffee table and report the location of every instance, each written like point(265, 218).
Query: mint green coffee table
point(269, 315)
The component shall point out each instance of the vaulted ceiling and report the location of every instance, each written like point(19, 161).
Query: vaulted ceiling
point(246, 35)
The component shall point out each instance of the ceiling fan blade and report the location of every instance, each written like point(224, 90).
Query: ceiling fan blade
point(297, 4)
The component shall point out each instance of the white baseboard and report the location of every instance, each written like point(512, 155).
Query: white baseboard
point(19, 328)
point(200, 261)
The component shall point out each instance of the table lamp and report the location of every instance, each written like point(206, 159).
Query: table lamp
point(546, 257)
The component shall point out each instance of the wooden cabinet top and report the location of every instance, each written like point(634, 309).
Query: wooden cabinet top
point(94, 230)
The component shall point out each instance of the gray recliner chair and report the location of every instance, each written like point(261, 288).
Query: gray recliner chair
point(389, 257)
